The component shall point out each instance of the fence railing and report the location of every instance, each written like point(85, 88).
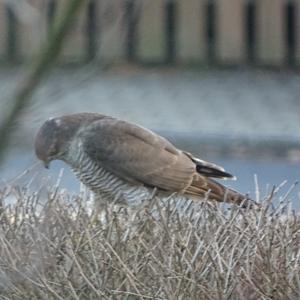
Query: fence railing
point(263, 32)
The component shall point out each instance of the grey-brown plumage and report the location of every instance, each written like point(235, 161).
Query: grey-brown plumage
point(122, 161)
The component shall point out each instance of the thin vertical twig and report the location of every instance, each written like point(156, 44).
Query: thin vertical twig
point(37, 71)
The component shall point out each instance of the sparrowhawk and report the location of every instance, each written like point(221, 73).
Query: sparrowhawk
point(124, 162)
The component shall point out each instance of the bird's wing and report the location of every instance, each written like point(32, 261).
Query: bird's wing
point(209, 169)
point(138, 155)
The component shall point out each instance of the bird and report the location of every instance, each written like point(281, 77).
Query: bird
point(123, 162)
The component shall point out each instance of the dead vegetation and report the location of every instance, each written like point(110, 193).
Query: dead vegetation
point(62, 249)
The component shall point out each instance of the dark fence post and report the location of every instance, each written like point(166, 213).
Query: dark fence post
point(250, 30)
point(91, 30)
point(131, 19)
point(290, 32)
point(211, 30)
point(170, 21)
point(51, 11)
point(12, 34)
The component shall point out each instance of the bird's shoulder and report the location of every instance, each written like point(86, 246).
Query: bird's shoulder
point(115, 131)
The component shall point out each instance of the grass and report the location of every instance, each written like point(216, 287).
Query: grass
point(59, 248)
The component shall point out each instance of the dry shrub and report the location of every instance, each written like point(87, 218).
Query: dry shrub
point(60, 248)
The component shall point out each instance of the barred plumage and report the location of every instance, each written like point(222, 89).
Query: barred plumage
point(124, 162)
point(105, 184)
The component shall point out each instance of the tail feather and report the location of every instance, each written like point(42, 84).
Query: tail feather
point(209, 169)
point(213, 172)
point(207, 187)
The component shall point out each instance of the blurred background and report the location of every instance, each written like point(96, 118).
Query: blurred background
point(218, 78)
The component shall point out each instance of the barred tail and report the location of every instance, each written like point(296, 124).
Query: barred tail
point(215, 191)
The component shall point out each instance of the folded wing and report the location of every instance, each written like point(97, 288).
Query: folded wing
point(138, 155)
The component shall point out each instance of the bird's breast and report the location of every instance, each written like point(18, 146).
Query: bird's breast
point(105, 184)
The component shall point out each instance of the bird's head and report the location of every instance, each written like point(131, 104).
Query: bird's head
point(53, 138)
